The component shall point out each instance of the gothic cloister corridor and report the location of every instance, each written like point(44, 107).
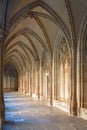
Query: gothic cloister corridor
point(25, 113)
point(43, 64)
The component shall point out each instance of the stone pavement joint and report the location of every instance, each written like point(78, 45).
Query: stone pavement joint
point(24, 113)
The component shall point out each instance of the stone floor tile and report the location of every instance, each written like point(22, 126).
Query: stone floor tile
point(24, 113)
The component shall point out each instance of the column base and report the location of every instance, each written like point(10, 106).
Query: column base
point(39, 97)
point(3, 114)
point(78, 111)
point(73, 109)
point(51, 102)
point(2, 121)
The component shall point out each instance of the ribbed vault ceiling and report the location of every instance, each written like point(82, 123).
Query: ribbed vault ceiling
point(33, 27)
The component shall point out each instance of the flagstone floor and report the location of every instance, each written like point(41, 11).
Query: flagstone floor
point(25, 113)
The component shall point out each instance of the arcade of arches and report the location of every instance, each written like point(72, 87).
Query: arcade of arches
point(43, 52)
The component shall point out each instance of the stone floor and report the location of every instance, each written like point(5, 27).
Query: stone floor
point(24, 113)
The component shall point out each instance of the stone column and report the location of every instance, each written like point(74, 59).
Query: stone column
point(29, 79)
point(20, 84)
point(23, 84)
point(31, 85)
point(79, 104)
point(2, 111)
point(39, 79)
point(42, 81)
point(4, 82)
point(52, 81)
point(12, 83)
point(32, 76)
point(66, 80)
point(35, 81)
point(27, 82)
point(58, 79)
point(45, 84)
point(62, 82)
point(55, 81)
point(73, 99)
point(85, 74)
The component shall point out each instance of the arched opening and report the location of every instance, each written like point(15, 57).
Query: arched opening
point(10, 78)
point(62, 74)
point(45, 77)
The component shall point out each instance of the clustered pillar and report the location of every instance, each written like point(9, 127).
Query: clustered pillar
point(2, 111)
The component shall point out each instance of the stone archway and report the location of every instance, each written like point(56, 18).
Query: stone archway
point(82, 69)
point(62, 75)
point(10, 78)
